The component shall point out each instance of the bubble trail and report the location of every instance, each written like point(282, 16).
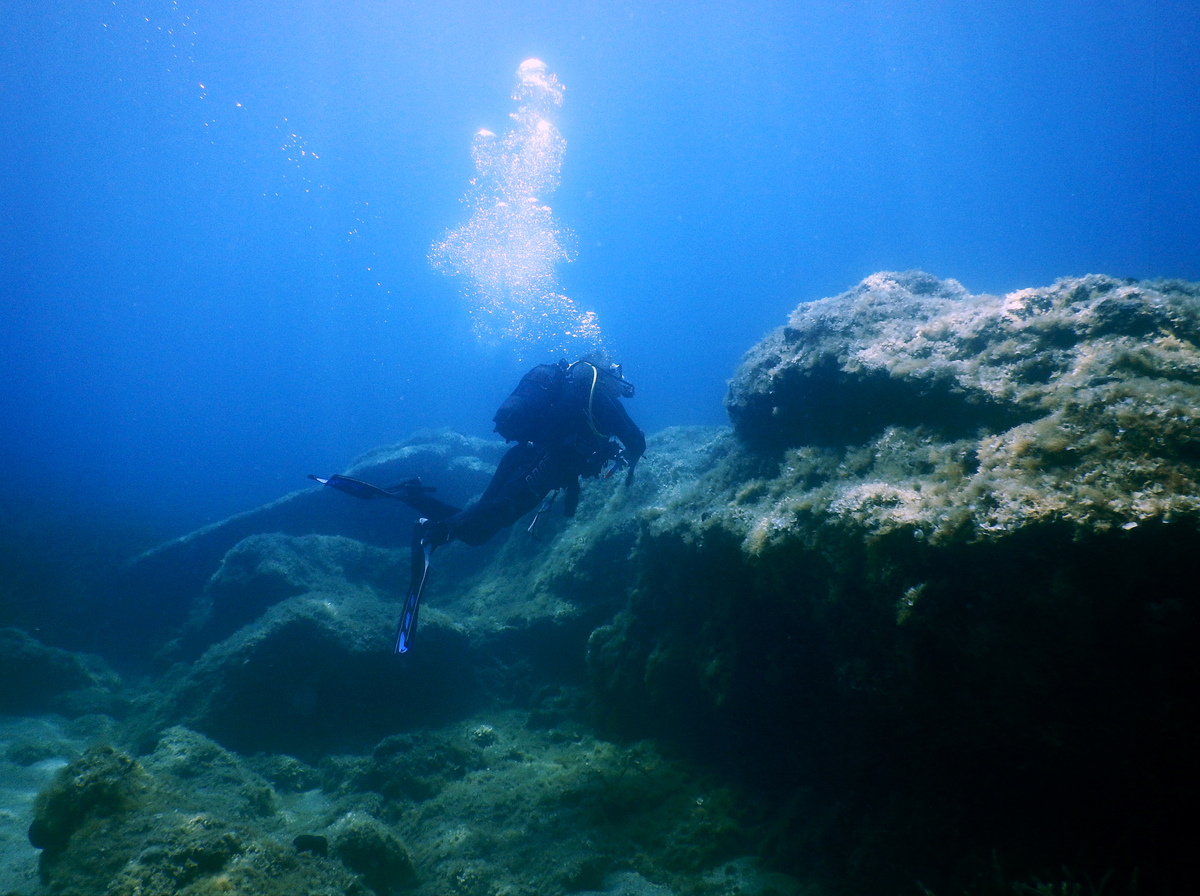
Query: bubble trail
point(508, 252)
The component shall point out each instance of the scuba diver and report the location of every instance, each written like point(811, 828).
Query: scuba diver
point(567, 421)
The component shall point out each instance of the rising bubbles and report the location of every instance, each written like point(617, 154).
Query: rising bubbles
point(507, 253)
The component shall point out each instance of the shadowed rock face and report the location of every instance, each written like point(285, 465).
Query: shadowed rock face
point(37, 678)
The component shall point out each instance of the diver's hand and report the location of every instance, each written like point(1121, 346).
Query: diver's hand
point(629, 474)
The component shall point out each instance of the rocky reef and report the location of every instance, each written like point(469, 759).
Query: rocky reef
point(1079, 402)
point(476, 807)
point(188, 817)
point(923, 620)
point(944, 582)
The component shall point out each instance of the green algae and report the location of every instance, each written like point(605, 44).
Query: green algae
point(500, 808)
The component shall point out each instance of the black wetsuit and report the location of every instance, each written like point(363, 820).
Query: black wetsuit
point(580, 445)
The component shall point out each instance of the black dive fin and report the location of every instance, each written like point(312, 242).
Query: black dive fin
point(422, 553)
point(411, 492)
point(355, 487)
point(410, 486)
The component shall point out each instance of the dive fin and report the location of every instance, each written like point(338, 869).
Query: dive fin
point(355, 487)
point(411, 492)
point(422, 553)
point(408, 486)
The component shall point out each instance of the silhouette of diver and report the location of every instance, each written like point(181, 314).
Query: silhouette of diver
point(566, 420)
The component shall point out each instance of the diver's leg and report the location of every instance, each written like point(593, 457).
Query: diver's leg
point(423, 503)
point(518, 487)
point(511, 468)
point(482, 520)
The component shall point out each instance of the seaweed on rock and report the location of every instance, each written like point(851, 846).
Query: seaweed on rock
point(927, 613)
point(944, 585)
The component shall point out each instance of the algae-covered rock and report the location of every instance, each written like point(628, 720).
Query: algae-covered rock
point(287, 774)
point(39, 678)
point(363, 844)
point(160, 587)
point(1076, 402)
point(101, 784)
point(514, 809)
point(420, 767)
point(262, 570)
point(548, 810)
point(182, 853)
point(188, 818)
point(316, 672)
point(948, 567)
point(186, 756)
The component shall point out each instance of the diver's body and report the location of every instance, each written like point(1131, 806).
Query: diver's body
point(569, 437)
point(579, 444)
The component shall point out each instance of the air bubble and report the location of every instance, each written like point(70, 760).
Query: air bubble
point(508, 252)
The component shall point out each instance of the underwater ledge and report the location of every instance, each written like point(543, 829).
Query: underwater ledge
point(925, 614)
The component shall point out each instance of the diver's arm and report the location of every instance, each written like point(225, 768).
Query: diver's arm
point(612, 417)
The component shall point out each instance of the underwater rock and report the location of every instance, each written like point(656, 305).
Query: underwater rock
point(909, 405)
point(100, 784)
point(947, 567)
point(263, 570)
point(287, 774)
point(316, 672)
point(418, 767)
point(184, 755)
point(188, 818)
point(907, 349)
point(515, 810)
point(553, 810)
point(364, 845)
point(173, 575)
point(312, 674)
point(42, 679)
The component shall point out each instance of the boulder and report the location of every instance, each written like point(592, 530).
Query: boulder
point(948, 567)
point(316, 671)
point(188, 818)
point(364, 844)
point(262, 570)
point(909, 349)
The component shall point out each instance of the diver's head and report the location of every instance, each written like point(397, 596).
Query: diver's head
point(611, 378)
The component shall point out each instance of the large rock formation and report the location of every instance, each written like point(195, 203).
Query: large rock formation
point(947, 581)
point(154, 594)
point(933, 595)
point(292, 634)
point(1079, 402)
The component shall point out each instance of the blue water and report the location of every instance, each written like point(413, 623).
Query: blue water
point(214, 272)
